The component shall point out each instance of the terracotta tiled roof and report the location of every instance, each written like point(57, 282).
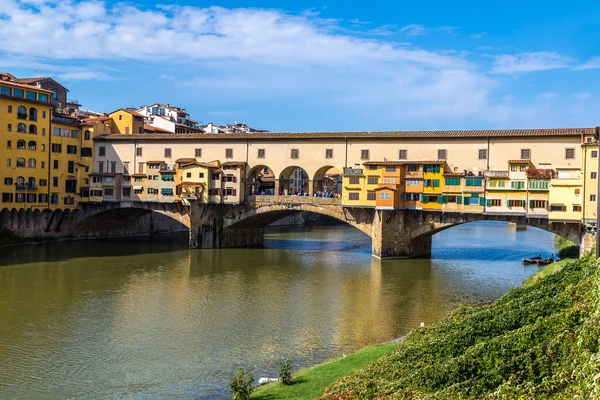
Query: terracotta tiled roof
point(450, 173)
point(193, 183)
point(386, 188)
point(539, 173)
point(153, 129)
point(239, 163)
point(38, 79)
point(154, 162)
point(133, 112)
point(405, 162)
point(185, 160)
point(24, 86)
point(93, 120)
point(369, 135)
point(139, 175)
point(519, 161)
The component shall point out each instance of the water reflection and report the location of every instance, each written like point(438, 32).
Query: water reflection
point(131, 319)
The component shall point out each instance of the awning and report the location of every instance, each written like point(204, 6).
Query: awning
point(138, 187)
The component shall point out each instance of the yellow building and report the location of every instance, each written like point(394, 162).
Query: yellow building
point(126, 121)
point(195, 181)
point(433, 174)
point(25, 113)
point(566, 198)
point(452, 198)
point(66, 171)
point(590, 180)
point(358, 186)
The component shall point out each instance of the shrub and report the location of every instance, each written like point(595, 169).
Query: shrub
point(285, 372)
point(242, 385)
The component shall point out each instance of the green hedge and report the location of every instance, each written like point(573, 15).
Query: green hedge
point(539, 341)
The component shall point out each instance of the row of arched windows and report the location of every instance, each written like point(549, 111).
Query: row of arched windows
point(21, 163)
point(22, 145)
point(20, 181)
point(22, 113)
point(23, 128)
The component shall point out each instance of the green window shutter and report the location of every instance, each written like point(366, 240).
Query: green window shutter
point(425, 199)
point(436, 183)
point(458, 199)
point(524, 203)
point(530, 203)
point(437, 169)
point(477, 182)
point(482, 201)
point(488, 203)
point(474, 194)
point(444, 199)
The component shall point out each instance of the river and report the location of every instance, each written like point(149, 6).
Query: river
point(149, 318)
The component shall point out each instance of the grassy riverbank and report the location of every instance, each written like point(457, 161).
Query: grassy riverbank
point(312, 382)
point(540, 340)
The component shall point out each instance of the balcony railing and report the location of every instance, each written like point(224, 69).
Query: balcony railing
point(353, 171)
point(496, 174)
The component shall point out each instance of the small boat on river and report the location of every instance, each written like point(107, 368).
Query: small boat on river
point(538, 260)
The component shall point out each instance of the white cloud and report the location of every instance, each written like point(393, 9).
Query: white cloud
point(583, 95)
point(529, 62)
point(547, 95)
point(84, 76)
point(413, 29)
point(594, 63)
point(479, 35)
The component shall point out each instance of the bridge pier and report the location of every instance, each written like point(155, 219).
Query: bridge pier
point(396, 234)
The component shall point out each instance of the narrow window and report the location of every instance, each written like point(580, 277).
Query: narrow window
point(167, 153)
point(228, 153)
point(261, 153)
point(525, 154)
point(198, 153)
point(594, 153)
point(442, 154)
point(594, 175)
point(295, 154)
point(403, 155)
point(482, 154)
point(138, 151)
point(328, 153)
point(364, 154)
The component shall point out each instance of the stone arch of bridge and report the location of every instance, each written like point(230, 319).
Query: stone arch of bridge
point(261, 217)
point(569, 231)
point(99, 221)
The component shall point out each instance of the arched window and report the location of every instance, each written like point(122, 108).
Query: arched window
point(21, 144)
point(86, 135)
point(20, 181)
point(33, 114)
point(33, 129)
point(32, 145)
point(54, 198)
point(21, 113)
point(31, 182)
point(21, 162)
point(31, 163)
point(21, 128)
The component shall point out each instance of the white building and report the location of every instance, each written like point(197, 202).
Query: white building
point(170, 118)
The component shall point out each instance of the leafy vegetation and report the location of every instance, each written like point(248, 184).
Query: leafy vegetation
point(566, 248)
point(285, 372)
point(537, 342)
point(312, 382)
point(547, 270)
point(242, 385)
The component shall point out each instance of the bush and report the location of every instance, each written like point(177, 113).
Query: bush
point(242, 385)
point(566, 248)
point(285, 372)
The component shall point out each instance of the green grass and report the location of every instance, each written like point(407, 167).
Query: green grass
point(546, 271)
point(540, 341)
point(312, 382)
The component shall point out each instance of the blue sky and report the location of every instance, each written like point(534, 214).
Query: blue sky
point(321, 65)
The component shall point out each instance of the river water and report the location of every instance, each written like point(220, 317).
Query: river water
point(149, 318)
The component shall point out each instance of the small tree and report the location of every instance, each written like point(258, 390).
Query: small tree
point(285, 372)
point(242, 385)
